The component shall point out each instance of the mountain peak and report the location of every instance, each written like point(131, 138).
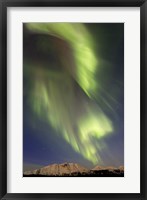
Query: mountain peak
point(74, 169)
point(62, 169)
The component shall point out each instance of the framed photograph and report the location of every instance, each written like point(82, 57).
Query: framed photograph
point(73, 96)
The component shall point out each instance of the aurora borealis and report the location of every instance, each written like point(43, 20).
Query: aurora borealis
point(73, 93)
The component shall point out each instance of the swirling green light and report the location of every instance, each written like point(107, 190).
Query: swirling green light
point(78, 119)
point(81, 42)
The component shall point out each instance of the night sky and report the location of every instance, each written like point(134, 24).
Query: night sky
point(73, 94)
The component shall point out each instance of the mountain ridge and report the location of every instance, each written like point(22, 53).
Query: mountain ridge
point(75, 169)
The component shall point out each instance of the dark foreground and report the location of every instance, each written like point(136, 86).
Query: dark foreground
point(100, 173)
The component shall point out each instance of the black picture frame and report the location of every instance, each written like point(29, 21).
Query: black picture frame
point(4, 4)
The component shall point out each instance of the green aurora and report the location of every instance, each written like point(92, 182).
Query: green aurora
point(65, 97)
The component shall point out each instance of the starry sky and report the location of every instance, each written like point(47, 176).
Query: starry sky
point(73, 94)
